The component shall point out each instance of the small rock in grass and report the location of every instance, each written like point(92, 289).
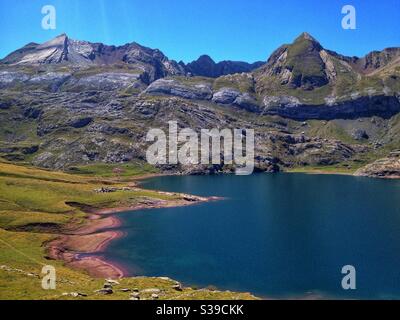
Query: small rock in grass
point(105, 291)
point(151, 290)
point(112, 281)
point(74, 294)
point(177, 287)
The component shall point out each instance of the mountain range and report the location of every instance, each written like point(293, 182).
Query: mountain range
point(62, 49)
point(67, 102)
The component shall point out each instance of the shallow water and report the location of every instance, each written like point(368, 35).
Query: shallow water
point(275, 235)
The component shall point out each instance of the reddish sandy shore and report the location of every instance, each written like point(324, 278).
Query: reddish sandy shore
point(99, 230)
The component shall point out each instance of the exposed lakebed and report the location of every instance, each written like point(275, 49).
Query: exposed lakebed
point(274, 235)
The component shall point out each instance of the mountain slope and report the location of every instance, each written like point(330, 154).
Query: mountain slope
point(206, 67)
point(304, 80)
point(63, 50)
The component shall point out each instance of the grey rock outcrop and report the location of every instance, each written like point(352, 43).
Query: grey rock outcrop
point(359, 134)
point(383, 168)
point(247, 102)
point(291, 107)
point(10, 78)
point(225, 96)
point(108, 81)
point(232, 96)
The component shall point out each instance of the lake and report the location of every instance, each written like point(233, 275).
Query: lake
point(274, 235)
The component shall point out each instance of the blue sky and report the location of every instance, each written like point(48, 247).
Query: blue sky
point(247, 30)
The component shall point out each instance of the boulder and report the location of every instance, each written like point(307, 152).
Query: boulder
point(75, 294)
point(177, 287)
point(112, 282)
point(151, 290)
point(10, 78)
point(135, 295)
point(105, 291)
point(107, 286)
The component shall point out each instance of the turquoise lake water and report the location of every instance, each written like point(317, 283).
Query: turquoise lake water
point(275, 235)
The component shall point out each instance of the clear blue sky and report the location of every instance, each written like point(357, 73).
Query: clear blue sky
point(246, 30)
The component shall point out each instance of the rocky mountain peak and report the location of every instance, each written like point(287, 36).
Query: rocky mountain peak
point(207, 67)
point(306, 36)
point(153, 62)
point(300, 64)
point(206, 59)
point(305, 44)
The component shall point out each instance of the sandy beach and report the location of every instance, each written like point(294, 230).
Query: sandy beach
point(97, 232)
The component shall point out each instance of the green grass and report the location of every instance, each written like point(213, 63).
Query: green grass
point(126, 170)
point(239, 82)
point(24, 250)
point(338, 169)
point(105, 69)
point(330, 130)
point(270, 85)
point(192, 80)
point(302, 62)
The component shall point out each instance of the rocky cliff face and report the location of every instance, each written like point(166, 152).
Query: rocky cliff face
point(375, 60)
point(303, 80)
point(382, 168)
point(359, 107)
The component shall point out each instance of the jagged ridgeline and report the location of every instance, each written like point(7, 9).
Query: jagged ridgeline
point(66, 103)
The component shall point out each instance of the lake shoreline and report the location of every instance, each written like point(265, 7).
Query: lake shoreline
point(80, 246)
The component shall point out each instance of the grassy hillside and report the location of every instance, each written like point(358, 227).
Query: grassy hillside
point(33, 208)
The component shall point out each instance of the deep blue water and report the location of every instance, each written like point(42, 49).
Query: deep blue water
point(275, 235)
